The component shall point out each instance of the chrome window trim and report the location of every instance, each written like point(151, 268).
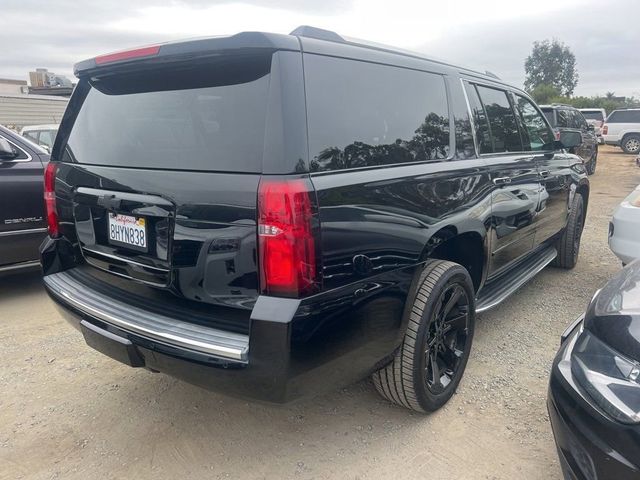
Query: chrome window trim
point(19, 160)
point(471, 120)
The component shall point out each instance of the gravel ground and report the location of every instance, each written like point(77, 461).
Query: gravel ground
point(69, 412)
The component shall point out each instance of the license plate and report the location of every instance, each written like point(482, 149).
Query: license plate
point(129, 231)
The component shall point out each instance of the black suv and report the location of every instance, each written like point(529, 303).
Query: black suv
point(22, 222)
point(275, 215)
point(567, 118)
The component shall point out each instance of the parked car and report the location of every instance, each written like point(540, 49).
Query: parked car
point(43, 135)
point(595, 117)
point(218, 213)
point(622, 129)
point(22, 222)
point(624, 228)
point(594, 392)
point(567, 118)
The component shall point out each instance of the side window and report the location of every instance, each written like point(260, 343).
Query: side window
point(480, 120)
point(21, 154)
point(465, 146)
point(363, 114)
point(503, 126)
point(564, 120)
point(624, 116)
point(537, 134)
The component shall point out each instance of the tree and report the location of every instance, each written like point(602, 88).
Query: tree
point(544, 93)
point(551, 63)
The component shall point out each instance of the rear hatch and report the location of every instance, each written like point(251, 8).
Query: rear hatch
point(158, 180)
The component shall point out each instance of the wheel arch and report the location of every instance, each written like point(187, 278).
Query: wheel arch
point(583, 190)
point(467, 248)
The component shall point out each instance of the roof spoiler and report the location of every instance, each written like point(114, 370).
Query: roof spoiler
point(196, 47)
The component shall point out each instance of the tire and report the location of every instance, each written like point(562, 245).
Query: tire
point(568, 244)
point(591, 166)
point(631, 143)
point(435, 318)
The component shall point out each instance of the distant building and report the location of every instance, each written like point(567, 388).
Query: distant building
point(44, 82)
point(17, 111)
point(13, 87)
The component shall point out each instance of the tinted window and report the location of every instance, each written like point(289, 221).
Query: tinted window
point(198, 117)
point(593, 115)
point(537, 134)
point(362, 114)
point(465, 146)
point(479, 120)
point(549, 114)
point(505, 136)
point(564, 118)
point(624, 116)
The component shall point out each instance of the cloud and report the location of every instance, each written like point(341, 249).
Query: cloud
point(493, 35)
point(606, 51)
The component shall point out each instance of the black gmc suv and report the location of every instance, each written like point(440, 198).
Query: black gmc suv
point(274, 215)
point(22, 222)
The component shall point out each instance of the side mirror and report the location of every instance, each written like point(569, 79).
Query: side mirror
point(591, 127)
point(7, 152)
point(570, 139)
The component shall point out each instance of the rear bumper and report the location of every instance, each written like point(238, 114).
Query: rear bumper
point(295, 348)
point(164, 330)
point(590, 445)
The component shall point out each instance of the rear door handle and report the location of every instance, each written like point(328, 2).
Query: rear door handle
point(545, 173)
point(502, 180)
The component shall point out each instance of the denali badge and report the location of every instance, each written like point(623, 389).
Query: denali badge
point(11, 221)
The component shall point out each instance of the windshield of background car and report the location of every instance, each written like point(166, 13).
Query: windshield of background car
point(593, 115)
point(208, 116)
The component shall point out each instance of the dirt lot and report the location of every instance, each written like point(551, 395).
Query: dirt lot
point(69, 412)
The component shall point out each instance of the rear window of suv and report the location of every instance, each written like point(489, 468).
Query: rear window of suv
point(624, 116)
point(595, 115)
point(209, 116)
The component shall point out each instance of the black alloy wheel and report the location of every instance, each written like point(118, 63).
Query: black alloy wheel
point(447, 338)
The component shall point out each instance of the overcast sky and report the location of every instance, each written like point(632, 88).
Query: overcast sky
point(493, 35)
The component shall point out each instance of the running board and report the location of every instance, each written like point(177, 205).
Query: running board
point(499, 288)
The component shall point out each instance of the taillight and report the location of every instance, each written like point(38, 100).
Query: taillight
point(557, 135)
point(128, 54)
point(605, 129)
point(286, 242)
point(50, 199)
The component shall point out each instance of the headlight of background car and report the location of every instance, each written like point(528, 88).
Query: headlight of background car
point(612, 380)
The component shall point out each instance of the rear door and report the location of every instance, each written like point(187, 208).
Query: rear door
point(553, 169)
point(22, 224)
point(513, 171)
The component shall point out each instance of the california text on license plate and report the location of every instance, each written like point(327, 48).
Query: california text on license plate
point(128, 231)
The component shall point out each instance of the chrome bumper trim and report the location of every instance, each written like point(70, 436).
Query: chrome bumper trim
point(163, 329)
